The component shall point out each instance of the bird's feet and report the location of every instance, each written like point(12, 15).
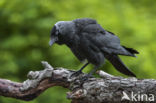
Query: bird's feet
point(77, 73)
point(82, 78)
point(85, 78)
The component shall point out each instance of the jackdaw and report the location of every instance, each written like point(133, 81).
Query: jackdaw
point(89, 41)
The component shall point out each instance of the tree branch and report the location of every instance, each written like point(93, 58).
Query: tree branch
point(101, 90)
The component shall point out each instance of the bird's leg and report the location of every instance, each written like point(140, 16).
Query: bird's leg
point(93, 71)
point(90, 74)
point(83, 67)
point(80, 70)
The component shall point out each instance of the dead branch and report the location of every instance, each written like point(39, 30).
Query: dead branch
point(107, 89)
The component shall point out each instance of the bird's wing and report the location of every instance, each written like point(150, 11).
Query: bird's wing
point(104, 40)
point(109, 44)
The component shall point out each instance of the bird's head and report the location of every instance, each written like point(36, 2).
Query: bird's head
point(61, 32)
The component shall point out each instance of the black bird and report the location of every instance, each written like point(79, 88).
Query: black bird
point(88, 40)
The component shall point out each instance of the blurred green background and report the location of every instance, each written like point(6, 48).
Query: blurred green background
point(25, 29)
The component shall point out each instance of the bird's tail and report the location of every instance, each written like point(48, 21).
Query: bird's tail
point(131, 50)
point(118, 64)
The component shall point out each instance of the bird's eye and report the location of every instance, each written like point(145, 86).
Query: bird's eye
point(54, 31)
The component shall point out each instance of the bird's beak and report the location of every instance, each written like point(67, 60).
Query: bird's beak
point(52, 41)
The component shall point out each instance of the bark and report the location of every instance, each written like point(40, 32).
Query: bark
point(107, 89)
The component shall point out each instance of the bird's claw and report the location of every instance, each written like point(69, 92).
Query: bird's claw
point(85, 78)
point(77, 73)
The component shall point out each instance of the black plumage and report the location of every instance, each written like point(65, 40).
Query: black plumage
point(88, 40)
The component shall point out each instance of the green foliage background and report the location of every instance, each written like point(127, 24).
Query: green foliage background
point(25, 28)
